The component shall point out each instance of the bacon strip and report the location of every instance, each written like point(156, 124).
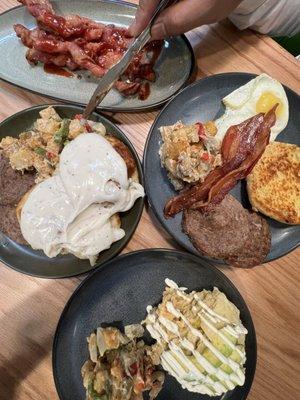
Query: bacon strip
point(78, 42)
point(36, 7)
point(61, 60)
point(242, 147)
point(66, 27)
point(42, 41)
point(46, 48)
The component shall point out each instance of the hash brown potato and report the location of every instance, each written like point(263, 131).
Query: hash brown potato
point(274, 184)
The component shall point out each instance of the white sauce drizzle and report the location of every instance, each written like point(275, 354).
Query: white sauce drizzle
point(180, 365)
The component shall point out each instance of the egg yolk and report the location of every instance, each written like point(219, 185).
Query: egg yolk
point(267, 101)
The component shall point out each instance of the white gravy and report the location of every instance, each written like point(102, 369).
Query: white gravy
point(71, 211)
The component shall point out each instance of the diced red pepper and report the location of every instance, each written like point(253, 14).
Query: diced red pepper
point(205, 156)
point(139, 387)
point(133, 369)
point(201, 130)
point(49, 155)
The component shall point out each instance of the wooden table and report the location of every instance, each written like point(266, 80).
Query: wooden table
point(30, 307)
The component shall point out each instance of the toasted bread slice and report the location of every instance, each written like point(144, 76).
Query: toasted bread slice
point(127, 156)
point(21, 203)
point(274, 184)
point(116, 221)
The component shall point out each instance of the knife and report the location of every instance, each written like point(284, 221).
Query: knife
point(118, 69)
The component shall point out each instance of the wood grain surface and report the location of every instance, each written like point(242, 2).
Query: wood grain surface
point(30, 307)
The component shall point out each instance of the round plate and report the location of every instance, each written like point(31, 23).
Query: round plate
point(118, 294)
point(24, 258)
point(201, 101)
point(173, 67)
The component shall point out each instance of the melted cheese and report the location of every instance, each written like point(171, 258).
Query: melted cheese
point(71, 211)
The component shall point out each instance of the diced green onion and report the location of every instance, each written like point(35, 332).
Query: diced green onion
point(94, 395)
point(40, 151)
point(62, 134)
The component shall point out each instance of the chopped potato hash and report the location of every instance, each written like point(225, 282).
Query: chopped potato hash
point(189, 152)
point(39, 147)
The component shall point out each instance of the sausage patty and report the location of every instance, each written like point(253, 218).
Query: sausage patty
point(13, 184)
point(229, 232)
point(9, 224)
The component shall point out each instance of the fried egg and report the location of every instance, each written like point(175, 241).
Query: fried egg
point(258, 96)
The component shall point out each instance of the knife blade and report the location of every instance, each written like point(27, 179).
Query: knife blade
point(118, 69)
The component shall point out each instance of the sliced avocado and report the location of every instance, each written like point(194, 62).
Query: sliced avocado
point(226, 368)
point(235, 356)
point(232, 338)
point(217, 341)
point(197, 365)
point(210, 357)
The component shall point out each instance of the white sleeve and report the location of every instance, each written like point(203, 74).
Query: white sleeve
point(275, 17)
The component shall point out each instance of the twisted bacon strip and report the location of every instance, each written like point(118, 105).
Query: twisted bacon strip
point(66, 27)
point(44, 42)
point(242, 147)
point(61, 60)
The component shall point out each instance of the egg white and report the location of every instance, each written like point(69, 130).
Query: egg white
point(241, 105)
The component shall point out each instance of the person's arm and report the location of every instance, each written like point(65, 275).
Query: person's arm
point(181, 17)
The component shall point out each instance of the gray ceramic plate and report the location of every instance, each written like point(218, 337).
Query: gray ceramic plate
point(173, 67)
point(201, 102)
point(118, 295)
point(24, 258)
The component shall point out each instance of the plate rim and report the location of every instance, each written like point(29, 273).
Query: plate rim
point(197, 259)
point(141, 108)
point(134, 226)
point(194, 251)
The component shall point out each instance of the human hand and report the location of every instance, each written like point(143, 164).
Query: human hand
point(180, 17)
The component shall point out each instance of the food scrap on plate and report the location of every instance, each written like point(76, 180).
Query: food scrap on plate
point(79, 43)
point(205, 161)
point(73, 179)
point(120, 366)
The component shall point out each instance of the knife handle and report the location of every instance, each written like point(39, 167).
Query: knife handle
point(145, 35)
point(161, 6)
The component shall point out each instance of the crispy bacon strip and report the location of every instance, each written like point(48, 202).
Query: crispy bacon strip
point(47, 49)
point(36, 7)
point(61, 60)
point(42, 41)
point(66, 27)
point(242, 147)
point(127, 88)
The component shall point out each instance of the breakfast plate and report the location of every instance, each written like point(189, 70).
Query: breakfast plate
point(118, 294)
point(173, 66)
point(201, 101)
point(34, 262)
